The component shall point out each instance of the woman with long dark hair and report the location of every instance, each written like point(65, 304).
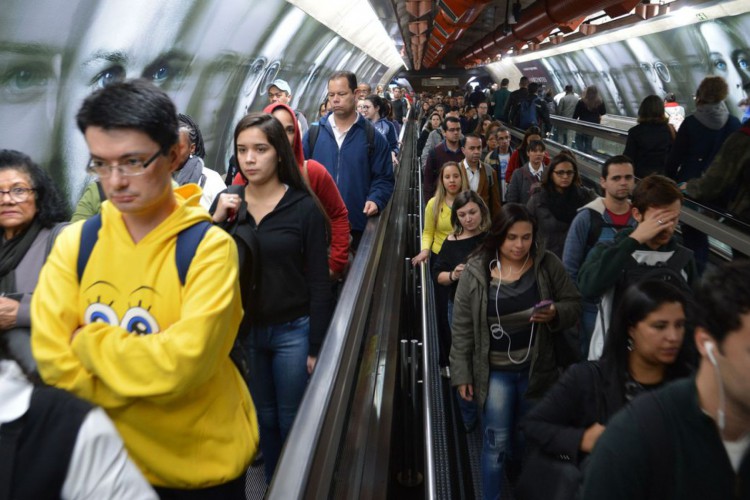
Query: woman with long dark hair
point(376, 109)
point(557, 199)
point(590, 108)
point(645, 348)
point(512, 298)
point(288, 301)
point(31, 209)
point(650, 141)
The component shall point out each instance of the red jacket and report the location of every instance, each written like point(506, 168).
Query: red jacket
point(322, 184)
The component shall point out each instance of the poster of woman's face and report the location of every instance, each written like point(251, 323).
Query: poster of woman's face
point(671, 61)
point(213, 57)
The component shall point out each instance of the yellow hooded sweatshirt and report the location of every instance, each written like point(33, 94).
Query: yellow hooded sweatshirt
point(152, 353)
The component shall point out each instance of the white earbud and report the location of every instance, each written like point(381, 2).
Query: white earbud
point(710, 352)
point(720, 416)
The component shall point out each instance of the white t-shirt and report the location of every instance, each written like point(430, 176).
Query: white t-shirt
point(99, 465)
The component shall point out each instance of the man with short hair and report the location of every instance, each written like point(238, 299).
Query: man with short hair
point(400, 106)
point(357, 159)
point(280, 91)
point(482, 109)
point(599, 221)
point(566, 107)
point(448, 150)
point(137, 310)
point(501, 156)
point(514, 100)
point(363, 90)
point(500, 98)
point(482, 179)
point(612, 266)
point(688, 440)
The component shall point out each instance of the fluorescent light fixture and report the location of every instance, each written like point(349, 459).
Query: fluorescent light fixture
point(676, 18)
point(356, 22)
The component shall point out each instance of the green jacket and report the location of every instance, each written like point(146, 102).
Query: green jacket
point(470, 349)
point(605, 263)
point(89, 204)
point(727, 176)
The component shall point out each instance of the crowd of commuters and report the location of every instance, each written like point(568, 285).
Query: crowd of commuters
point(164, 339)
point(571, 305)
point(156, 346)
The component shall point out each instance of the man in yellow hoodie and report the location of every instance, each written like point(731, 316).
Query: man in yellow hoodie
point(124, 329)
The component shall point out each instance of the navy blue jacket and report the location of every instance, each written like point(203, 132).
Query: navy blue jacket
point(360, 177)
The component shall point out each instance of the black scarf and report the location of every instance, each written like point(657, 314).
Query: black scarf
point(191, 172)
point(12, 252)
point(564, 206)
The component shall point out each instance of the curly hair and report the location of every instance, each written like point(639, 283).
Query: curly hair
point(51, 207)
point(711, 90)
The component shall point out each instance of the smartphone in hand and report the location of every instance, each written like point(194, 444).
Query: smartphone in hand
point(542, 306)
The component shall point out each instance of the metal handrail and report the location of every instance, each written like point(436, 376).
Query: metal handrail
point(429, 453)
point(589, 167)
point(294, 466)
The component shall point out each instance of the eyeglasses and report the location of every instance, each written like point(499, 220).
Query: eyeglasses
point(564, 173)
point(454, 129)
point(131, 167)
point(19, 195)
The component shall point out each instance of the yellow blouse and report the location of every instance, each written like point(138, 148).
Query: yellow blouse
point(432, 237)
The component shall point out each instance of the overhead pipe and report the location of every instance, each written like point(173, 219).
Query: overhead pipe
point(539, 19)
point(452, 19)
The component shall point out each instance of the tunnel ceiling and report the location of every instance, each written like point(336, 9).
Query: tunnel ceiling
point(443, 36)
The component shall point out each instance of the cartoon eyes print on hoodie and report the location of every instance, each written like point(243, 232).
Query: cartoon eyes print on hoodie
point(137, 319)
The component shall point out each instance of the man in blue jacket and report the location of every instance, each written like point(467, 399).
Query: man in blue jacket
point(357, 159)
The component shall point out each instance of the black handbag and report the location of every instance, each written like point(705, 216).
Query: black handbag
point(548, 477)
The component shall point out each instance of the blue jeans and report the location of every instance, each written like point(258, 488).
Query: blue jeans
point(277, 359)
point(503, 410)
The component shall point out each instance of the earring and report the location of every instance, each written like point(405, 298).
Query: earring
point(631, 345)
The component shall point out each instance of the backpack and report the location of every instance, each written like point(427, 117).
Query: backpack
point(669, 271)
point(187, 244)
point(527, 116)
point(314, 131)
point(597, 224)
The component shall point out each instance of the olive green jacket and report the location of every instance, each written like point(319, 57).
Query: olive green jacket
point(470, 348)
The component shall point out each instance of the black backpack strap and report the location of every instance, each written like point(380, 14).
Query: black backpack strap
point(370, 130)
point(102, 194)
point(9, 434)
point(89, 237)
point(651, 418)
point(595, 228)
point(187, 244)
point(312, 138)
point(681, 258)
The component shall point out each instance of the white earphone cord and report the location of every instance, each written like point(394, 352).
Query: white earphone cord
point(494, 329)
point(720, 413)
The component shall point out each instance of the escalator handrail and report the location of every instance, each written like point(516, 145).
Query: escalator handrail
point(293, 469)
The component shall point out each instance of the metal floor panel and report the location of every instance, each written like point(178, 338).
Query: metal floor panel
point(255, 483)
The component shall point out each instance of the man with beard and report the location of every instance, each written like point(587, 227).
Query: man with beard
point(599, 221)
point(482, 178)
point(649, 251)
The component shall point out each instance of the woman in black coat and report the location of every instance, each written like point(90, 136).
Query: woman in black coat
point(650, 142)
point(644, 349)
